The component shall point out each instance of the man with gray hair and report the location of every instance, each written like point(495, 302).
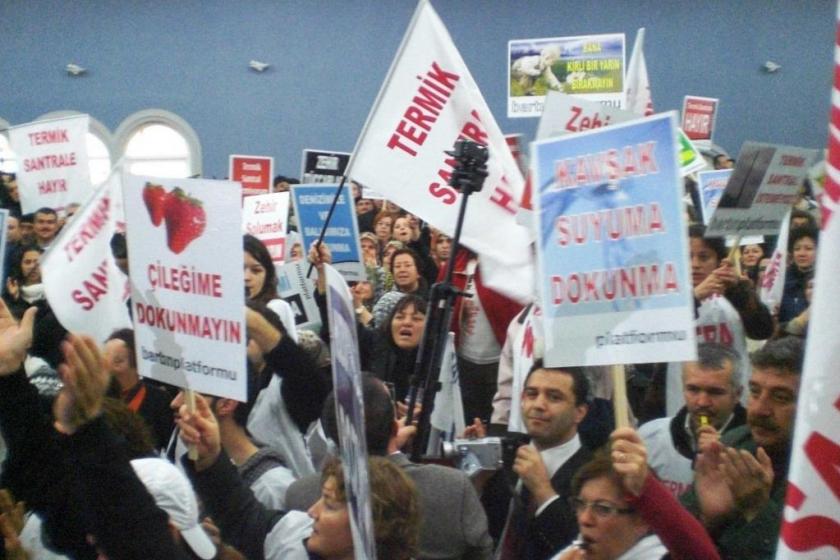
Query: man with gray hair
point(711, 391)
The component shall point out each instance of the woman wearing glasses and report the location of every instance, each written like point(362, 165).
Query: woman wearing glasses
point(625, 513)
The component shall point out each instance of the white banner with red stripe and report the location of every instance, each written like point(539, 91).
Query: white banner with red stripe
point(811, 522)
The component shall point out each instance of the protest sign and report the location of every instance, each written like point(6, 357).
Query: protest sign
point(698, 119)
point(447, 418)
point(188, 304)
point(591, 66)
point(566, 114)
point(612, 246)
point(265, 216)
point(52, 162)
point(350, 411)
point(312, 205)
point(299, 293)
point(773, 279)
point(400, 152)
point(319, 166)
point(763, 185)
point(710, 185)
point(82, 282)
point(254, 173)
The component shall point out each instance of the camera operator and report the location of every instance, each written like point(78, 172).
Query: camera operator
point(540, 521)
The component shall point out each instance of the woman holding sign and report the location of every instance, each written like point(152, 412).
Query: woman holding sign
point(261, 281)
point(727, 307)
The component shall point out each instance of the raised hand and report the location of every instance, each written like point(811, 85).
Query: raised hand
point(15, 338)
point(713, 492)
point(629, 459)
point(86, 380)
point(750, 479)
point(201, 429)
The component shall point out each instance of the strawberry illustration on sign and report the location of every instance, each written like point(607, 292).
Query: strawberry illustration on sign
point(185, 220)
point(154, 197)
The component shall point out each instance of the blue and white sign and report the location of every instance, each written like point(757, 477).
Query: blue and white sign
point(710, 186)
point(312, 204)
point(612, 246)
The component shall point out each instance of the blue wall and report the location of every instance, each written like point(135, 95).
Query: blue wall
point(330, 57)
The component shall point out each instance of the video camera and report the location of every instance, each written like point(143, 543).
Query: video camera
point(472, 456)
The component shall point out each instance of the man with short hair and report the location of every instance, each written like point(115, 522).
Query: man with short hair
point(711, 389)
point(740, 482)
point(540, 520)
point(45, 226)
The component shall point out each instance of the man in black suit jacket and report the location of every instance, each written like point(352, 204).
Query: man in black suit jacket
point(540, 521)
point(453, 523)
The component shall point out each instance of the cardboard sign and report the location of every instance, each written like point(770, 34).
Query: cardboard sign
point(299, 293)
point(319, 166)
point(82, 282)
point(710, 186)
point(52, 162)
point(350, 411)
point(255, 173)
point(312, 205)
point(763, 186)
point(698, 118)
point(566, 114)
point(612, 246)
point(590, 66)
point(187, 283)
point(266, 217)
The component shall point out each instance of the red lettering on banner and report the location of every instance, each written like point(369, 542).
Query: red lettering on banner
point(92, 289)
point(89, 230)
point(421, 114)
point(52, 186)
point(793, 161)
point(191, 324)
point(56, 136)
point(808, 533)
point(609, 165)
point(586, 123)
point(52, 161)
point(645, 280)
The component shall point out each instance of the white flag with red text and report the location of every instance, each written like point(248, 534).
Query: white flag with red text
point(639, 100)
point(83, 285)
point(772, 282)
point(811, 517)
point(428, 101)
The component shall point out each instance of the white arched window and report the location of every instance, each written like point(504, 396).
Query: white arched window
point(160, 144)
point(99, 146)
point(8, 159)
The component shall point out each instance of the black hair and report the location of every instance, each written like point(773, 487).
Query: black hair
point(802, 232)
point(580, 383)
point(379, 415)
point(46, 210)
point(716, 244)
point(803, 214)
point(127, 336)
point(256, 249)
point(406, 301)
point(786, 355)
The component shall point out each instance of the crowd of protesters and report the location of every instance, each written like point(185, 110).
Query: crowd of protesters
point(96, 462)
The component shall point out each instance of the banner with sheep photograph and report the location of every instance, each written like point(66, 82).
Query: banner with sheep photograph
point(588, 66)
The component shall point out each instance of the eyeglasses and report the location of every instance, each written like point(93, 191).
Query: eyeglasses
point(601, 509)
